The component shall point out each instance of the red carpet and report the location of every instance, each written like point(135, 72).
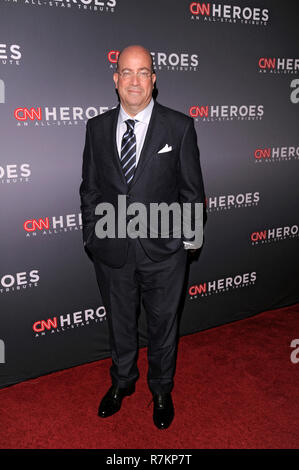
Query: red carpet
point(235, 387)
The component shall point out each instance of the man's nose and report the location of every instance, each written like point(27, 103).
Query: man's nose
point(135, 79)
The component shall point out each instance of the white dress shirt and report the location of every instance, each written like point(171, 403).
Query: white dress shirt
point(143, 118)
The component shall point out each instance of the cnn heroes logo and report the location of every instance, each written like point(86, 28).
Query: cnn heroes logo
point(173, 61)
point(232, 201)
point(69, 321)
point(213, 12)
point(216, 113)
point(15, 173)
point(56, 116)
point(19, 281)
point(10, 54)
point(218, 286)
point(98, 6)
point(276, 234)
point(52, 225)
point(278, 65)
point(276, 154)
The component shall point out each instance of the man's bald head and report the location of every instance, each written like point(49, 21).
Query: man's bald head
point(133, 50)
point(134, 78)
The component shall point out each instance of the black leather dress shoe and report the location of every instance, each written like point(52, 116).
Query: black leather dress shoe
point(111, 402)
point(163, 410)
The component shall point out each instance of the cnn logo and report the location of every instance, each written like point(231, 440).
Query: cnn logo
point(113, 56)
point(22, 114)
point(40, 224)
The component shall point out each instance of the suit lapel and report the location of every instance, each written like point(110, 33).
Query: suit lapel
point(115, 151)
point(155, 131)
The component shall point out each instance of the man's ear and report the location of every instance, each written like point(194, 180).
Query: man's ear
point(115, 79)
point(154, 79)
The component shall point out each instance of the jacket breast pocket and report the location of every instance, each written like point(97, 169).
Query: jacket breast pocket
point(165, 157)
point(165, 162)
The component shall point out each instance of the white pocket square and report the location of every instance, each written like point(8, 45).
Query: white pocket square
point(166, 148)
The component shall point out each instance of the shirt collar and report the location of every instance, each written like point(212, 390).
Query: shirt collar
point(143, 116)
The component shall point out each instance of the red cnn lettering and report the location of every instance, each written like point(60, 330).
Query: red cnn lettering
point(194, 290)
point(201, 111)
point(256, 236)
point(113, 56)
point(32, 225)
point(262, 153)
point(41, 325)
point(21, 114)
point(265, 63)
point(202, 9)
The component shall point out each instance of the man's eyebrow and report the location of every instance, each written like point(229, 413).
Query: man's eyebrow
point(141, 68)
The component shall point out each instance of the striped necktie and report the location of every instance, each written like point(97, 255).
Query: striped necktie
point(128, 151)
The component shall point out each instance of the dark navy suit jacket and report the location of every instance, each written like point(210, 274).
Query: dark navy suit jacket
point(173, 176)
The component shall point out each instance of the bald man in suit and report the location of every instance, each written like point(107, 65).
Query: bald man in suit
point(147, 153)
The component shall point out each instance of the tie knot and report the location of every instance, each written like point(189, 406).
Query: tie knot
point(130, 124)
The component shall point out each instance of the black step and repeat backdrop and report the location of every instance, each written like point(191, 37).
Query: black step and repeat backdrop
point(232, 66)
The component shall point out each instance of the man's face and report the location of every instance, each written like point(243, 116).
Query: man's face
point(134, 91)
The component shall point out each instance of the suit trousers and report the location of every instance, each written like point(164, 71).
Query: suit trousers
point(159, 286)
